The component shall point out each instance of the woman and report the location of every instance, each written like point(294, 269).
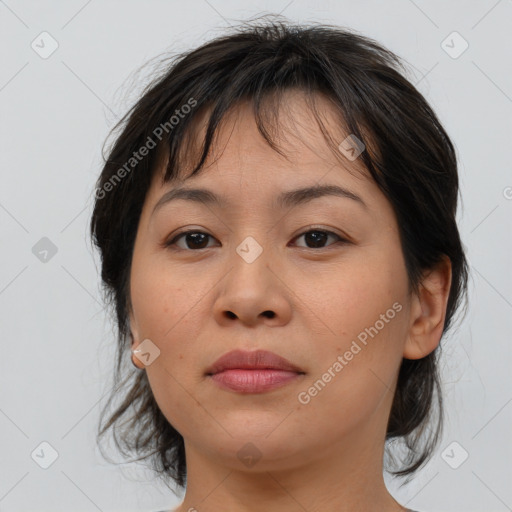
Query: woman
point(276, 221)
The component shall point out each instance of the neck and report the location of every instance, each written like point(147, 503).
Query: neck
point(341, 478)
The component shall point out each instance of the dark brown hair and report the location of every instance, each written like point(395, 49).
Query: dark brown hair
point(409, 155)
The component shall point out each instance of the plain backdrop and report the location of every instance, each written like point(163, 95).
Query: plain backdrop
point(57, 340)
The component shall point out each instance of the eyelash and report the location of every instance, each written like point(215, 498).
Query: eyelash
point(173, 241)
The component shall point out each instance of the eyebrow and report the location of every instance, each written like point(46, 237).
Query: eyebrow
point(286, 199)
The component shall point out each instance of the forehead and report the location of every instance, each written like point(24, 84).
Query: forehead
point(249, 176)
point(238, 149)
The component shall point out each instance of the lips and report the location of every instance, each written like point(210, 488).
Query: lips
point(253, 360)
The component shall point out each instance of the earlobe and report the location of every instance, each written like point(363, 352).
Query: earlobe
point(135, 360)
point(428, 311)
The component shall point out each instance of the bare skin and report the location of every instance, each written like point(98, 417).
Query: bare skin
point(195, 304)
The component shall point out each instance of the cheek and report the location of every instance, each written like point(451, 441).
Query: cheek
point(178, 406)
point(167, 309)
point(351, 297)
point(166, 313)
point(355, 368)
point(163, 303)
point(361, 312)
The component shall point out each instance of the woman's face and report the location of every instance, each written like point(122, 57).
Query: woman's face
point(267, 275)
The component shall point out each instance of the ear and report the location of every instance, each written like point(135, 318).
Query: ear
point(428, 311)
point(134, 329)
point(135, 339)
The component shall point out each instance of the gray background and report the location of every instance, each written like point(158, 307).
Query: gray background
point(57, 340)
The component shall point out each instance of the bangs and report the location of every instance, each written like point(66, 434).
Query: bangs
point(181, 157)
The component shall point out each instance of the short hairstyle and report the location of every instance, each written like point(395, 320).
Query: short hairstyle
point(408, 154)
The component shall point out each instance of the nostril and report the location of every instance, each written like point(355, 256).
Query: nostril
point(268, 314)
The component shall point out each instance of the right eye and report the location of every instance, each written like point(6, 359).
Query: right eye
point(194, 240)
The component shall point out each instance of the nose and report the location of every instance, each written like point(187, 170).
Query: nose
point(254, 293)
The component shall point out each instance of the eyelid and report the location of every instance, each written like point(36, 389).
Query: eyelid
point(343, 239)
point(168, 242)
point(316, 227)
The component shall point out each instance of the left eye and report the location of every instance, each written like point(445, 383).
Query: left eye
point(197, 239)
point(318, 236)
